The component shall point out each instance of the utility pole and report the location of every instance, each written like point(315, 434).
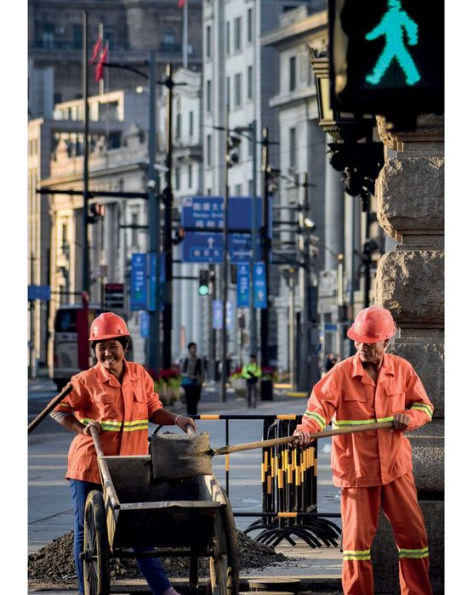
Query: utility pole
point(265, 245)
point(225, 266)
point(85, 256)
point(254, 234)
point(154, 218)
point(168, 202)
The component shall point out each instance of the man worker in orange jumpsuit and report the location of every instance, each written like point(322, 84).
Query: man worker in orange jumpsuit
point(374, 468)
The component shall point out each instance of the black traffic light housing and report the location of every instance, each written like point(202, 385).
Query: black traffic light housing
point(203, 284)
point(97, 212)
point(387, 57)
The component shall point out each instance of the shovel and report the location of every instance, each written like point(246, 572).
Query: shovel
point(176, 456)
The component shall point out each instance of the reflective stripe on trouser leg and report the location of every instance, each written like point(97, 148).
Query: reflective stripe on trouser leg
point(400, 504)
point(359, 509)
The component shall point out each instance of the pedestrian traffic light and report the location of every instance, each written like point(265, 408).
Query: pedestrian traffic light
point(203, 286)
point(387, 56)
point(233, 144)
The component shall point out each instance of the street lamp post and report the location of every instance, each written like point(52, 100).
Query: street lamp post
point(85, 281)
point(265, 247)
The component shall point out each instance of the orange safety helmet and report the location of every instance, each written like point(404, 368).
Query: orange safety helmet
point(108, 326)
point(372, 325)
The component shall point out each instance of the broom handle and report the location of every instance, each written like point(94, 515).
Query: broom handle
point(53, 403)
point(107, 482)
point(286, 439)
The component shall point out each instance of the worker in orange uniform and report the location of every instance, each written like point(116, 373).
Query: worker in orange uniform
point(117, 398)
point(374, 468)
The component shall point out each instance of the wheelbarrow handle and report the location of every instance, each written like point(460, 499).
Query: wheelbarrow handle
point(107, 482)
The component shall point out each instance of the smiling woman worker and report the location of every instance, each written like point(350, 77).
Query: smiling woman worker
point(117, 397)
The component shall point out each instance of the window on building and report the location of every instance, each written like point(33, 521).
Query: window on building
point(293, 148)
point(109, 35)
point(238, 90)
point(114, 140)
point(208, 96)
point(77, 37)
point(178, 125)
point(191, 126)
point(249, 25)
point(227, 91)
point(208, 192)
point(250, 188)
point(64, 237)
point(249, 82)
point(57, 98)
point(134, 231)
point(48, 35)
point(190, 176)
point(238, 190)
point(238, 34)
point(177, 178)
point(227, 38)
point(208, 150)
point(208, 41)
point(292, 73)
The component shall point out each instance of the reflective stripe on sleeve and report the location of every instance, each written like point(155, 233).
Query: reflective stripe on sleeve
point(406, 553)
point(342, 423)
point(423, 407)
point(319, 419)
point(356, 554)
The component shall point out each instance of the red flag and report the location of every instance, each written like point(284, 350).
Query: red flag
point(181, 3)
point(100, 65)
point(95, 50)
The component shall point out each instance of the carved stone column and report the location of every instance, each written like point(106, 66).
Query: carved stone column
point(410, 283)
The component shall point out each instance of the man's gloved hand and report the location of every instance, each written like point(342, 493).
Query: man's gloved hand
point(182, 422)
point(401, 421)
point(302, 438)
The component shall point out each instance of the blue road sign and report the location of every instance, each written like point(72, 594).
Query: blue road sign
point(243, 285)
point(229, 315)
point(260, 296)
point(139, 285)
point(39, 292)
point(207, 212)
point(144, 325)
point(153, 286)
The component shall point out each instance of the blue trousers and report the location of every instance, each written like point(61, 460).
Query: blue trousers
point(151, 568)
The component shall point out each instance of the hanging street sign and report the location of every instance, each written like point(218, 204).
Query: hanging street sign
point(138, 286)
point(260, 297)
point(243, 285)
point(144, 325)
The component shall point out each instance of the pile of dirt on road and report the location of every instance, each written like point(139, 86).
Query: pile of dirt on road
point(54, 563)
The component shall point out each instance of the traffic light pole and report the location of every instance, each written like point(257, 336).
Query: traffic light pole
point(225, 266)
point(154, 218)
point(265, 246)
point(254, 232)
point(168, 203)
point(85, 270)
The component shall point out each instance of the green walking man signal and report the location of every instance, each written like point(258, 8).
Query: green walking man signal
point(392, 26)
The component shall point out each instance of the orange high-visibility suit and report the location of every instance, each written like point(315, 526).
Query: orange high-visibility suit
point(374, 468)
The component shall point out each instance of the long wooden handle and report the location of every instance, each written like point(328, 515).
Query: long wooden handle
point(53, 403)
point(104, 469)
point(286, 439)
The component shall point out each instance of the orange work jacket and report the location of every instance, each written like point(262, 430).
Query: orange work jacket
point(123, 410)
point(348, 396)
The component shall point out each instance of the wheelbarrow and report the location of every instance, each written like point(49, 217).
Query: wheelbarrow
point(189, 516)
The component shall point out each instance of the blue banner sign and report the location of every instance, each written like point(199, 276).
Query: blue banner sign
point(39, 292)
point(216, 314)
point(243, 285)
point(139, 284)
point(260, 295)
point(144, 325)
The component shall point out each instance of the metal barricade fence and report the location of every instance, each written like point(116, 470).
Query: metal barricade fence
point(289, 479)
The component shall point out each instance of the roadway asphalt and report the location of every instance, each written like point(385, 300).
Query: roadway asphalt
point(49, 505)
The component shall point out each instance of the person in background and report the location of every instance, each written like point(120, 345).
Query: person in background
point(331, 361)
point(116, 397)
point(252, 373)
point(193, 376)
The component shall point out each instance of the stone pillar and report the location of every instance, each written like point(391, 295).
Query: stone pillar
point(410, 282)
point(333, 215)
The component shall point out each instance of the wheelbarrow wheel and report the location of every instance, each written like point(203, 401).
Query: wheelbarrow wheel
point(96, 559)
point(224, 564)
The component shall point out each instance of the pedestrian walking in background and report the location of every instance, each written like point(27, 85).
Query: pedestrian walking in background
point(193, 375)
point(117, 398)
point(331, 361)
point(252, 373)
point(374, 468)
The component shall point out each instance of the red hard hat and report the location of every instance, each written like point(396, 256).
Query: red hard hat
point(372, 325)
point(107, 326)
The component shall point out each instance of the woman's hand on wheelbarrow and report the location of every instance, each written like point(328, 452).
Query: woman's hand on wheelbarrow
point(87, 429)
point(302, 438)
point(184, 423)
